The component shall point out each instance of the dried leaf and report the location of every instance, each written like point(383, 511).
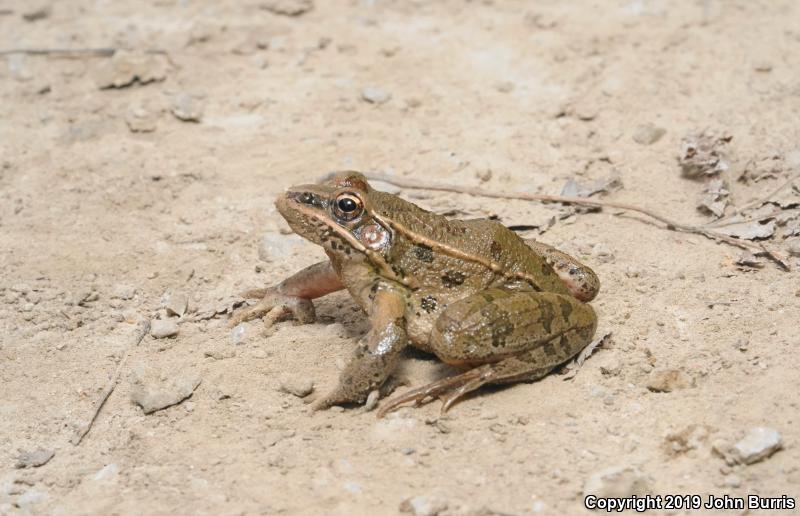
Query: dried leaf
point(701, 155)
point(709, 204)
point(715, 199)
point(574, 189)
point(765, 168)
point(749, 260)
point(571, 369)
point(128, 68)
point(749, 230)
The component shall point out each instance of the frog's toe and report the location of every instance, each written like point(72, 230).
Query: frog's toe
point(249, 313)
point(449, 389)
point(273, 308)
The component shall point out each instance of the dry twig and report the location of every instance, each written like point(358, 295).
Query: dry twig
point(72, 52)
point(582, 201)
point(144, 329)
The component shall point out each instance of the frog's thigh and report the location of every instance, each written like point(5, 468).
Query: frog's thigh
point(539, 330)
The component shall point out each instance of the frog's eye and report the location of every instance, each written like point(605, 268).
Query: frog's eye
point(347, 206)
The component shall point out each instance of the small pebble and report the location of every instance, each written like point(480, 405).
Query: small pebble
point(238, 333)
point(296, 386)
point(154, 396)
point(107, 472)
point(375, 95)
point(733, 481)
point(504, 86)
point(177, 304)
point(141, 120)
point(668, 380)
point(30, 497)
point(187, 108)
point(423, 506)
point(758, 444)
point(484, 175)
point(648, 134)
point(34, 459)
point(763, 66)
point(620, 481)
point(163, 328)
point(37, 12)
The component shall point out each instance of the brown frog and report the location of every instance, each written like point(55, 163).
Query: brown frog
point(472, 292)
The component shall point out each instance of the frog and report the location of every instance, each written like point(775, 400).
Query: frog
point(497, 308)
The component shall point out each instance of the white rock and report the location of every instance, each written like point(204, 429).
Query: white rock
point(177, 304)
point(648, 133)
point(619, 481)
point(127, 68)
point(238, 333)
point(375, 95)
point(423, 505)
point(107, 472)
point(163, 328)
point(759, 443)
point(187, 108)
point(297, 386)
point(668, 380)
point(156, 396)
point(30, 497)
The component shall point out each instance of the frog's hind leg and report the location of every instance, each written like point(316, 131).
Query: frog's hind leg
point(510, 336)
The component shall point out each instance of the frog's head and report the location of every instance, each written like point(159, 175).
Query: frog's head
point(337, 214)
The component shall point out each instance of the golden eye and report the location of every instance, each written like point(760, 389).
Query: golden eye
point(347, 206)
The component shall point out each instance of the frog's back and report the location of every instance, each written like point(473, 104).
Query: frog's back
point(466, 255)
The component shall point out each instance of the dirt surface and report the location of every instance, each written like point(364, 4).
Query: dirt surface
point(130, 181)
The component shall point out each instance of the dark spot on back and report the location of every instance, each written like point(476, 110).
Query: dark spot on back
point(486, 296)
point(423, 253)
point(452, 279)
point(428, 303)
point(547, 315)
point(566, 309)
point(496, 250)
point(501, 329)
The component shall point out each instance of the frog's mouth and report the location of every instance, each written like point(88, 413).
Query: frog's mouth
point(307, 213)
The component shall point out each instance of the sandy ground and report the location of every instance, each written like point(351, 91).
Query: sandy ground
point(117, 201)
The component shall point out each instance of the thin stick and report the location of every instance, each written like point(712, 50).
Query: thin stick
point(669, 223)
point(144, 329)
point(70, 52)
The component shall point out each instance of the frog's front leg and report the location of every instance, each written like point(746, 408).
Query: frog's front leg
point(377, 355)
point(291, 296)
point(505, 336)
